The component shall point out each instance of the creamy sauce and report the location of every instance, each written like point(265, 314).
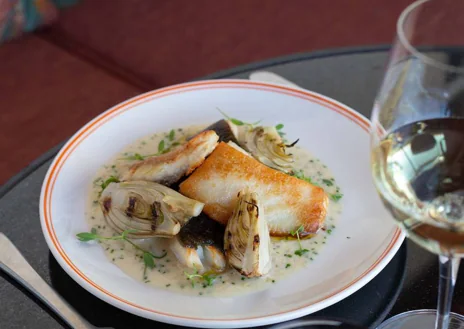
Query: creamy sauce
point(168, 273)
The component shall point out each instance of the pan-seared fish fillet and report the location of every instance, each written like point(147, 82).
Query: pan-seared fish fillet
point(168, 168)
point(288, 202)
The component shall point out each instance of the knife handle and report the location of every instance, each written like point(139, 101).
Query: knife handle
point(15, 265)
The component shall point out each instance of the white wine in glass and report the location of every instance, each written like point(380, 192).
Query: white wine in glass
point(417, 140)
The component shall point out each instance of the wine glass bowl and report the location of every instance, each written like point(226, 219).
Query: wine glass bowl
point(417, 137)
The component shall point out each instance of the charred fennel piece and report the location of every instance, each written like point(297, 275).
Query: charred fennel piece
point(146, 209)
point(247, 243)
point(148, 257)
point(265, 144)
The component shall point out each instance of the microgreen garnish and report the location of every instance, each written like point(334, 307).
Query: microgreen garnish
point(336, 196)
point(148, 257)
point(161, 146)
point(207, 278)
point(279, 127)
point(327, 182)
point(300, 175)
point(237, 122)
point(299, 252)
point(172, 134)
point(135, 156)
point(104, 184)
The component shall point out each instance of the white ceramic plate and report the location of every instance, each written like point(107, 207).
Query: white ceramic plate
point(330, 130)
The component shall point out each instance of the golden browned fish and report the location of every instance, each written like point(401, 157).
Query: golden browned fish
point(287, 201)
point(170, 167)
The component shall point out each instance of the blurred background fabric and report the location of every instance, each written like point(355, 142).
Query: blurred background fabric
point(78, 58)
point(20, 16)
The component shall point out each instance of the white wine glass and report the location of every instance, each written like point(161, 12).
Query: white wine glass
point(417, 141)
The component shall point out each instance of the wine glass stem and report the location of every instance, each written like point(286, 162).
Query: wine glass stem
point(449, 266)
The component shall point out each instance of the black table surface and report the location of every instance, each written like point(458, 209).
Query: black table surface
point(351, 76)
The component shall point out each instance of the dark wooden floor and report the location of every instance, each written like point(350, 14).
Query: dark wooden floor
point(102, 52)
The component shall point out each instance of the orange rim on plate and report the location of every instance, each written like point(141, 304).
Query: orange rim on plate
point(66, 151)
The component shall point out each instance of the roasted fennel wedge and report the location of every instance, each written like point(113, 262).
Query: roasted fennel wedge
point(146, 209)
point(247, 243)
point(263, 143)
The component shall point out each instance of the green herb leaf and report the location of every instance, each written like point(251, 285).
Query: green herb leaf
point(161, 146)
point(301, 252)
point(297, 231)
point(111, 179)
point(288, 265)
point(86, 236)
point(147, 256)
point(336, 196)
point(300, 175)
point(237, 122)
point(148, 260)
point(327, 182)
point(279, 126)
point(208, 279)
point(172, 134)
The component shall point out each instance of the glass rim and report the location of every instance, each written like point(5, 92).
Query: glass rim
point(403, 39)
point(422, 312)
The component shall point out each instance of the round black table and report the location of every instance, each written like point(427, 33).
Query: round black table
point(351, 76)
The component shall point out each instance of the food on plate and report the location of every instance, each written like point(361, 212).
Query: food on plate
point(264, 143)
point(288, 202)
point(199, 245)
point(219, 209)
point(168, 168)
point(225, 129)
point(146, 209)
point(247, 243)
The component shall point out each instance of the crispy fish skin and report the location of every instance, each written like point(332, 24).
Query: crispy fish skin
point(168, 168)
point(205, 233)
point(287, 201)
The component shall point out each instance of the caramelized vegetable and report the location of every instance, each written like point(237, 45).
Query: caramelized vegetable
point(247, 242)
point(147, 209)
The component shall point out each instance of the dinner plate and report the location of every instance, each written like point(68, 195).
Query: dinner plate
point(364, 242)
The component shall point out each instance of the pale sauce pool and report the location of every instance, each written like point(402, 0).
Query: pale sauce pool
point(168, 273)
